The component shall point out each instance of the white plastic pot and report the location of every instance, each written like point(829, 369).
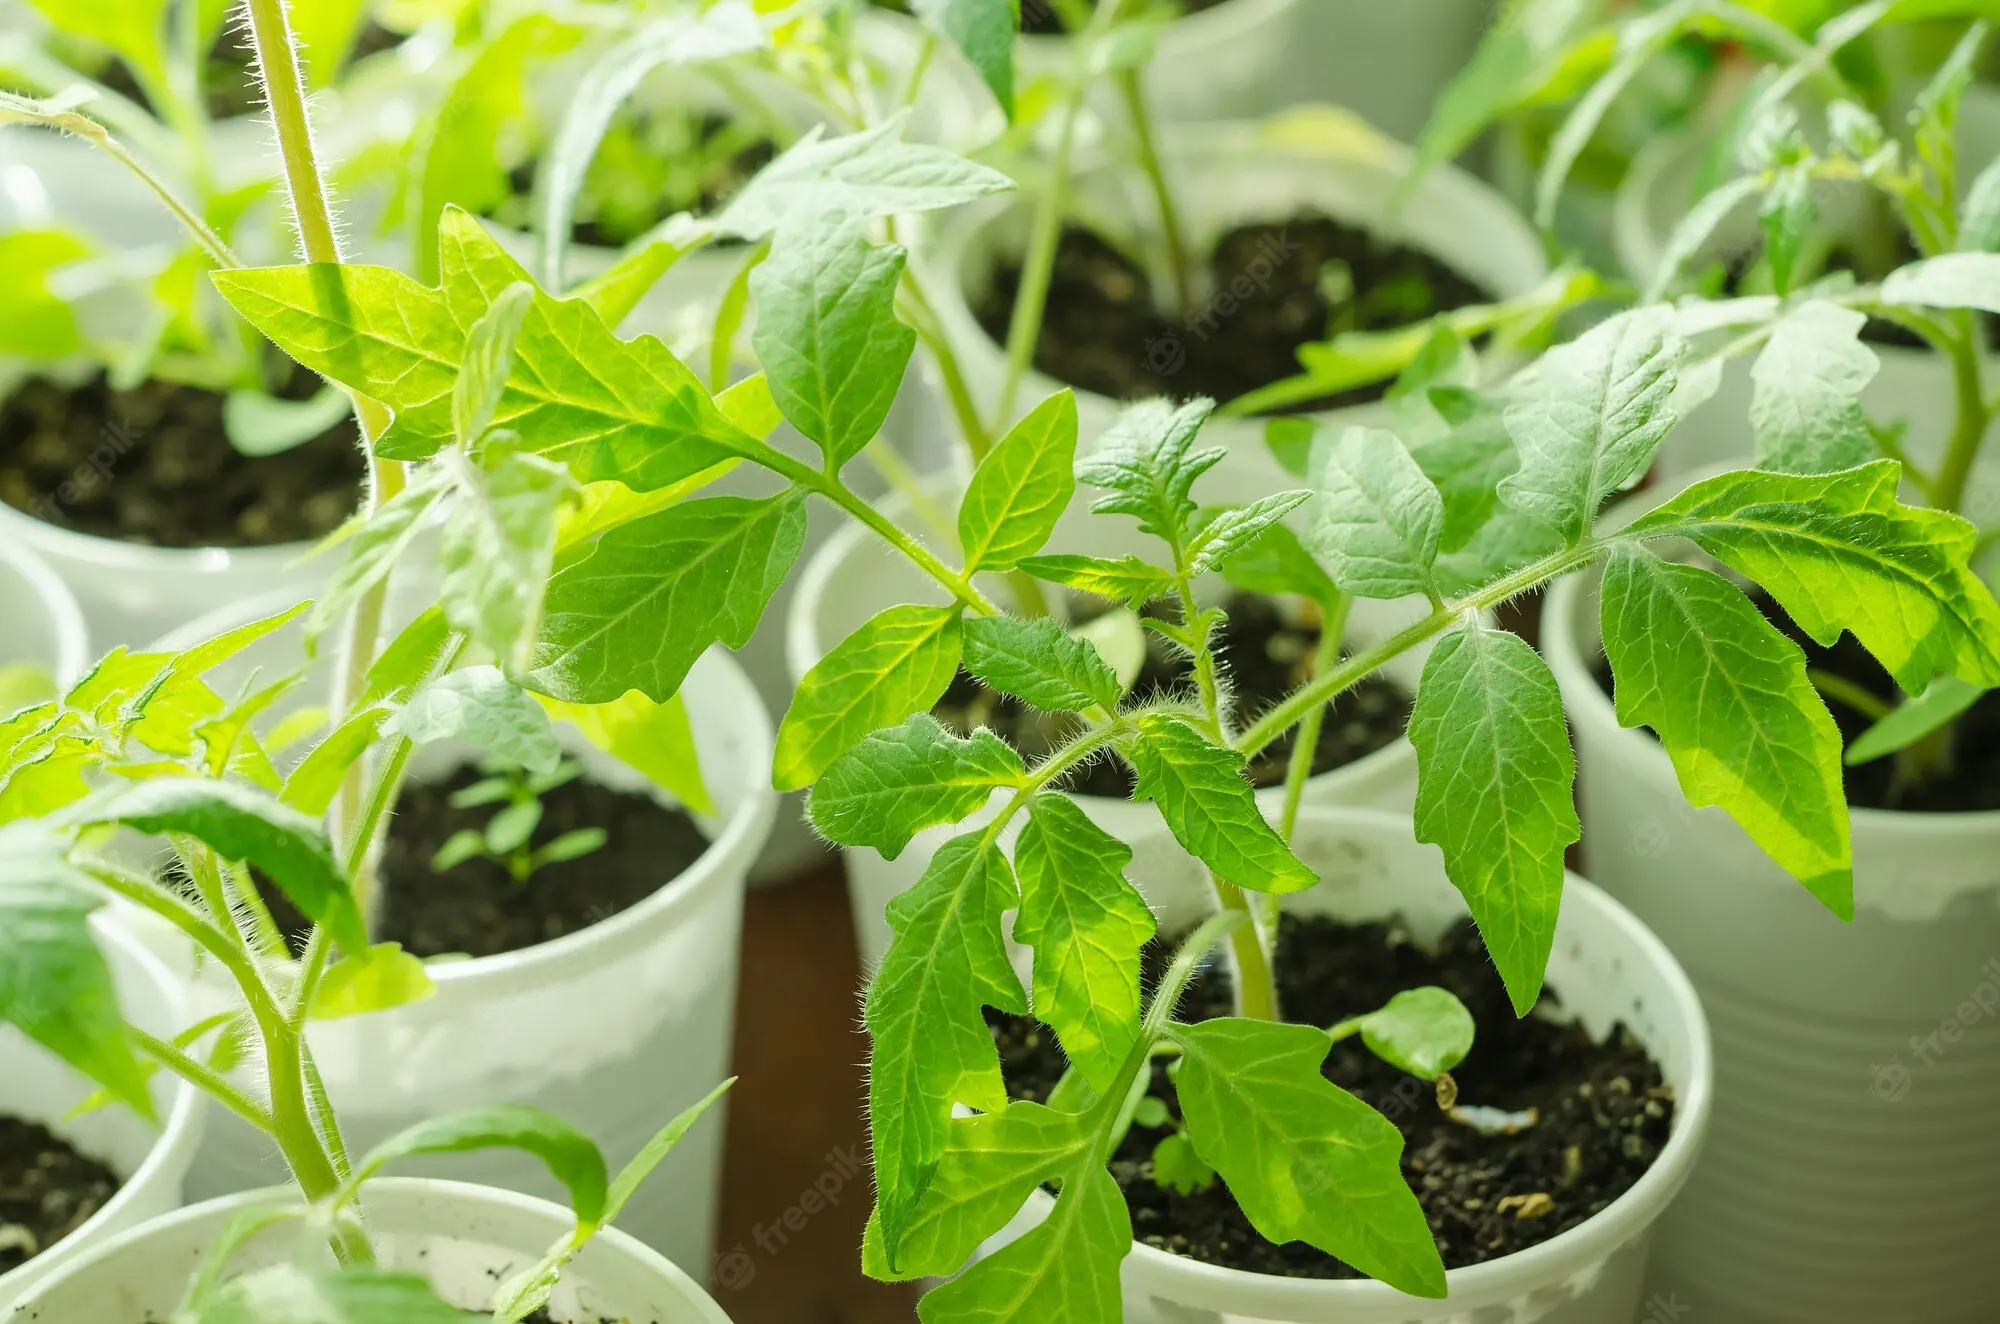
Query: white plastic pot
point(150, 1161)
point(857, 575)
point(1606, 968)
point(1228, 175)
point(44, 626)
point(466, 1239)
point(1851, 1175)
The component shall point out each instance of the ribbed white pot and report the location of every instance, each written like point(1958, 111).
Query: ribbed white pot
point(150, 1161)
point(1229, 175)
point(617, 1027)
point(1606, 968)
point(44, 626)
point(466, 1239)
point(855, 575)
point(1851, 1175)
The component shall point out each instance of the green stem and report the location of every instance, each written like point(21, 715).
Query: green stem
point(1172, 234)
point(1299, 770)
point(1844, 691)
point(1256, 984)
point(917, 305)
point(894, 470)
point(1969, 432)
point(204, 1078)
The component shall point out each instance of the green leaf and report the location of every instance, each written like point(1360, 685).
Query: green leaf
point(135, 29)
point(1065, 1268)
point(1040, 662)
point(325, 30)
point(1494, 790)
point(1211, 810)
point(1806, 406)
point(258, 425)
point(1424, 1031)
point(497, 553)
point(1467, 464)
point(1601, 414)
point(1839, 552)
point(480, 707)
point(1728, 696)
point(1515, 56)
point(1238, 528)
point(242, 825)
point(571, 1157)
point(293, 1294)
point(1086, 924)
point(1126, 579)
point(864, 175)
point(633, 1175)
point(40, 324)
point(983, 31)
point(929, 1045)
point(377, 979)
point(487, 362)
point(1947, 697)
point(1979, 217)
point(1693, 231)
point(903, 779)
point(897, 664)
point(1021, 488)
point(1178, 1168)
point(1955, 280)
point(311, 786)
point(634, 608)
point(1277, 562)
point(1290, 439)
point(655, 739)
point(1787, 217)
point(1145, 461)
point(1375, 518)
point(1306, 1160)
point(619, 288)
point(827, 335)
point(54, 984)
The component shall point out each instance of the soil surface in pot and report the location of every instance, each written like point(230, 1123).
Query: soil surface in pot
point(476, 908)
point(1603, 1110)
point(151, 465)
point(47, 1190)
point(1274, 287)
point(1267, 649)
point(1968, 783)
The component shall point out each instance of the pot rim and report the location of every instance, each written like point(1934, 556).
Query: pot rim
point(117, 554)
point(57, 602)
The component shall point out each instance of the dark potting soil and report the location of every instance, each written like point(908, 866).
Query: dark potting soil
point(151, 465)
point(1603, 1110)
point(477, 909)
point(47, 1190)
point(1104, 329)
point(1969, 785)
point(1267, 651)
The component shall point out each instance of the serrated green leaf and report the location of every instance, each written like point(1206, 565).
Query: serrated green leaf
point(1126, 579)
point(1839, 552)
point(983, 31)
point(373, 550)
point(1495, 781)
point(1600, 414)
point(827, 335)
point(1728, 696)
point(571, 1157)
point(1277, 562)
point(655, 739)
point(54, 984)
point(497, 552)
point(903, 779)
point(1467, 464)
point(1209, 807)
point(1424, 1031)
point(897, 664)
point(487, 361)
point(1787, 216)
point(1376, 517)
point(1955, 280)
point(1064, 1268)
point(1021, 488)
point(1911, 721)
point(1178, 1168)
point(1040, 662)
point(635, 607)
point(1146, 461)
point(377, 979)
point(480, 707)
point(1806, 404)
point(929, 1045)
point(1238, 528)
point(1086, 924)
point(1306, 1160)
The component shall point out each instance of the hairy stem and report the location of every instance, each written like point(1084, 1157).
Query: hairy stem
point(1969, 431)
point(203, 1078)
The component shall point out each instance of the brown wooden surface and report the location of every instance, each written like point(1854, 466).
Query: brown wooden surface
point(795, 1180)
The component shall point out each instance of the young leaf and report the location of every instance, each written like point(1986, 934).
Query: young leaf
point(374, 548)
point(897, 664)
point(1692, 233)
point(1086, 924)
point(929, 1044)
point(1021, 488)
point(1806, 405)
point(1728, 696)
point(1787, 216)
point(1839, 552)
point(653, 738)
point(1424, 1031)
point(258, 425)
point(1144, 461)
point(1178, 1168)
point(1494, 791)
point(1239, 528)
point(480, 707)
point(1375, 516)
point(311, 786)
point(1209, 807)
point(983, 31)
point(1947, 697)
point(1065, 1268)
point(1126, 579)
point(1600, 416)
point(293, 1294)
point(1955, 280)
point(1040, 662)
point(571, 1157)
point(487, 361)
point(1277, 562)
point(497, 551)
point(1306, 1160)
point(634, 608)
point(1979, 218)
point(619, 288)
point(377, 979)
point(1467, 464)
point(901, 780)
point(54, 984)
point(827, 335)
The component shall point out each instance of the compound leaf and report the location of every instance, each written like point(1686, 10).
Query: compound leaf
point(1040, 662)
point(903, 779)
point(1376, 517)
point(1021, 488)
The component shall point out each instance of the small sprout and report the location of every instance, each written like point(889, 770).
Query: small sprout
point(1177, 1168)
point(1151, 1114)
point(509, 835)
point(1493, 1121)
point(1533, 1205)
point(1447, 1091)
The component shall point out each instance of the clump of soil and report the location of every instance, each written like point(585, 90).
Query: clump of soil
point(1267, 649)
point(1603, 1110)
point(151, 465)
point(47, 1190)
point(1969, 783)
point(1275, 287)
point(477, 909)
